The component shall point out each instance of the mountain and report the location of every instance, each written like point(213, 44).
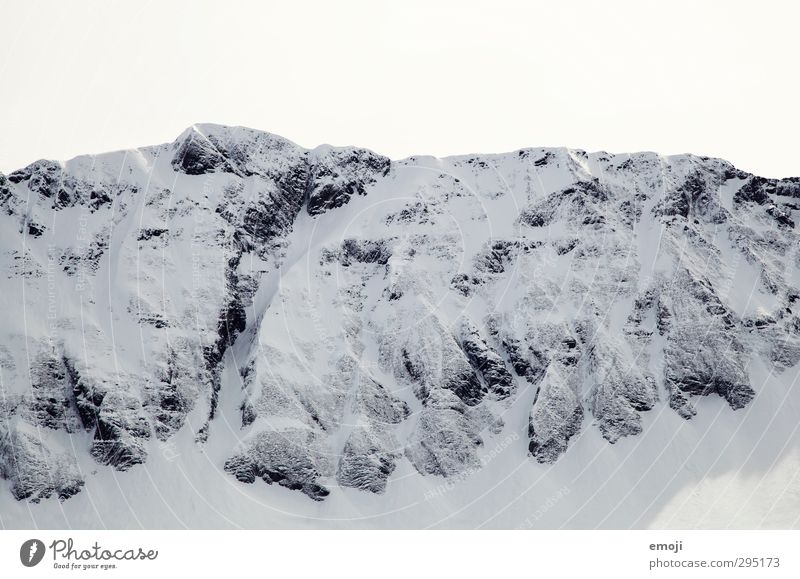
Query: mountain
point(232, 330)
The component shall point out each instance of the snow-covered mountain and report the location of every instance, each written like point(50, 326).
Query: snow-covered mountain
point(233, 330)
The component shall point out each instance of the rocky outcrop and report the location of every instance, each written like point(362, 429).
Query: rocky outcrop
point(486, 362)
point(121, 432)
point(448, 436)
point(34, 471)
point(368, 458)
point(338, 174)
point(557, 412)
point(289, 458)
point(703, 354)
point(584, 203)
point(622, 388)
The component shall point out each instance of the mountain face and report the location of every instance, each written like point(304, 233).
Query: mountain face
point(360, 315)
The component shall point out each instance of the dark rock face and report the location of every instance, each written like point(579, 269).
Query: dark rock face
point(286, 458)
point(486, 362)
point(756, 190)
point(270, 214)
point(557, 412)
point(35, 230)
point(442, 364)
point(781, 216)
point(50, 403)
point(34, 471)
point(87, 395)
point(789, 187)
point(171, 396)
point(121, 432)
point(761, 190)
point(702, 355)
point(42, 177)
point(501, 255)
point(5, 190)
point(694, 199)
point(198, 155)
point(58, 188)
point(147, 233)
point(366, 463)
point(365, 251)
point(86, 260)
point(446, 440)
point(768, 192)
point(338, 174)
point(231, 322)
point(371, 451)
point(583, 202)
point(622, 391)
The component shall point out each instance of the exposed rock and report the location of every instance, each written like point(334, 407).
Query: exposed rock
point(50, 401)
point(289, 458)
point(121, 432)
point(35, 472)
point(622, 389)
point(367, 460)
point(485, 361)
point(581, 204)
point(694, 199)
point(338, 174)
point(702, 355)
point(197, 155)
point(447, 436)
point(557, 413)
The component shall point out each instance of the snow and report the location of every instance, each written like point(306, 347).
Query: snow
point(354, 316)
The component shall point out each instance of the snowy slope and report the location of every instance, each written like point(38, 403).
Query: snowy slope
point(231, 330)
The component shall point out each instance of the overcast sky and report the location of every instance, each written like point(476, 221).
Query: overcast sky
point(407, 77)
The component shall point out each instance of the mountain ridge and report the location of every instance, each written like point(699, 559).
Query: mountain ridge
point(363, 316)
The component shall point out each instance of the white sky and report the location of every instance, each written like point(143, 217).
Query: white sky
point(407, 77)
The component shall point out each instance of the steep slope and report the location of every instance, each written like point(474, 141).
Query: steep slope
point(329, 319)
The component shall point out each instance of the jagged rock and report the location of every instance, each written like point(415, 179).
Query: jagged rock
point(289, 458)
point(500, 255)
point(621, 390)
point(86, 260)
point(581, 204)
point(371, 451)
point(121, 432)
point(338, 174)
point(50, 402)
point(485, 361)
point(87, 393)
point(430, 358)
point(377, 404)
point(365, 251)
point(368, 459)
point(35, 472)
point(694, 199)
point(702, 355)
point(781, 216)
point(43, 177)
point(557, 413)
point(147, 233)
point(756, 190)
point(447, 436)
point(197, 155)
point(179, 379)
